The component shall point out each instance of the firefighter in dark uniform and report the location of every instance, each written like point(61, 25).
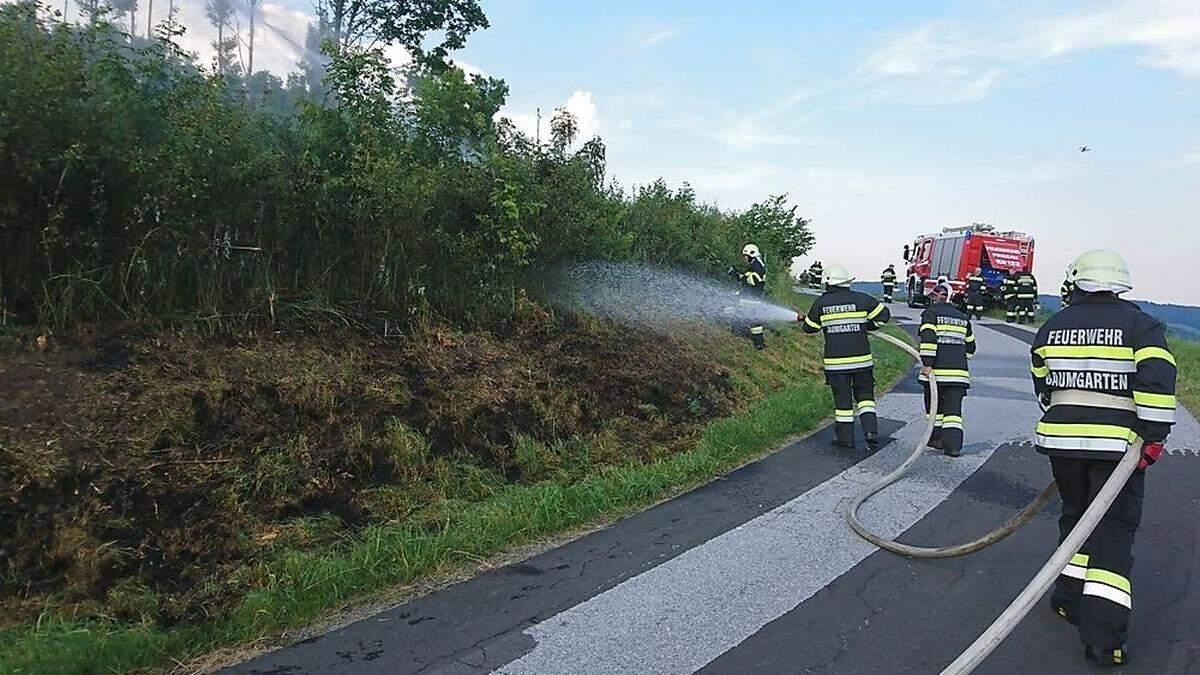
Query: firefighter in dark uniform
point(753, 280)
point(1105, 376)
point(845, 316)
point(815, 274)
point(947, 343)
point(1008, 293)
point(1068, 287)
point(1027, 291)
point(888, 279)
point(975, 289)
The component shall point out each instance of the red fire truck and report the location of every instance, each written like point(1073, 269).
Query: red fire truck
point(955, 252)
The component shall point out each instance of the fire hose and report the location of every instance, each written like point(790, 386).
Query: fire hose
point(909, 550)
point(1024, 602)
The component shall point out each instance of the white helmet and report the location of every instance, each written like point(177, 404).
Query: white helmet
point(1101, 270)
point(751, 250)
point(836, 275)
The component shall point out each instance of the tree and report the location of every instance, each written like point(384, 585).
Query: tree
point(252, 5)
point(219, 13)
point(403, 22)
point(129, 7)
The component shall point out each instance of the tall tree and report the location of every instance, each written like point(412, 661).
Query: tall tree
point(126, 7)
point(403, 22)
point(253, 7)
point(219, 13)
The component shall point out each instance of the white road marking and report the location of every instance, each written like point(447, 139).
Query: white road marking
point(679, 616)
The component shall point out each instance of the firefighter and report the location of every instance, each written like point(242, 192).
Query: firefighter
point(845, 316)
point(1105, 376)
point(888, 279)
point(754, 285)
point(815, 273)
point(1026, 296)
point(947, 343)
point(1068, 287)
point(1008, 293)
point(975, 289)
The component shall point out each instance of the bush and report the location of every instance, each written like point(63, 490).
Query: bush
point(137, 184)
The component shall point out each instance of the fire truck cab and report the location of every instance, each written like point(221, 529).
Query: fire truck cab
point(955, 252)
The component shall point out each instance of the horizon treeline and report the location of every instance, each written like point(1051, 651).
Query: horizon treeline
point(137, 184)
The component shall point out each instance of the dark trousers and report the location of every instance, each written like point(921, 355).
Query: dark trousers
point(1025, 310)
point(853, 391)
point(887, 292)
point(948, 426)
point(1094, 589)
point(975, 304)
point(1010, 309)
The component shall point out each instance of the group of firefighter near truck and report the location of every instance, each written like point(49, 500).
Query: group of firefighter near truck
point(955, 254)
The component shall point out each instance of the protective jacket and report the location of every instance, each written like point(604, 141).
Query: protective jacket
point(1026, 286)
point(845, 316)
point(888, 277)
point(1008, 289)
point(975, 284)
point(1068, 288)
point(1104, 372)
point(947, 342)
point(754, 277)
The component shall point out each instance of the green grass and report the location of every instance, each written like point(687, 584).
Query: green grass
point(299, 587)
point(1187, 385)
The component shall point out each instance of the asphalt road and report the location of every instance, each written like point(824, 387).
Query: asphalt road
point(757, 571)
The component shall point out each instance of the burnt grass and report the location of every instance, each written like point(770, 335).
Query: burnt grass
point(143, 473)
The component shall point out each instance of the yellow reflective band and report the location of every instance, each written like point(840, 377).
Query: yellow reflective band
point(929, 345)
point(952, 418)
point(1090, 430)
point(843, 315)
point(947, 328)
point(847, 359)
point(756, 330)
point(866, 404)
point(809, 322)
point(928, 326)
point(1153, 353)
point(1080, 559)
point(1154, 400)
point(970, 338)
point(1084, 352)
point(1110, 578)
point(950, 372)
point(875, 312)
point(1040, 372)
point(843, 412)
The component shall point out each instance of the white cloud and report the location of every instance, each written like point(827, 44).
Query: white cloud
point(942, 61)
point(581, 104)
point(661, 35)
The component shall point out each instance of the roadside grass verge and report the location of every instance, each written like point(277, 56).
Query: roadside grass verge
point(785, 395)
point(1187, 358)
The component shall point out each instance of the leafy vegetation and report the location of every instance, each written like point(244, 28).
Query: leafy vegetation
point(166, 490)
point(138, 185)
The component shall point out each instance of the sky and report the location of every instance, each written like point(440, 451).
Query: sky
point(881, 120)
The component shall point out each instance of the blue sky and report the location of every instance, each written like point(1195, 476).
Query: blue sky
point(881, 120)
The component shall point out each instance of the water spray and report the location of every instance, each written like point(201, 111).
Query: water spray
point(649, 295)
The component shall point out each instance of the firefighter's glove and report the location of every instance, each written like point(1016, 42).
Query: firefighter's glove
point(800, 316)
point(732, 272)
point(1150, 454)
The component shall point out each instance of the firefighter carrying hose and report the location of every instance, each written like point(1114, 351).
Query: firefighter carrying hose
point(754, 286)
point(845, 316)
point(947, 343)
point(1105, 376)
point(1026, 296)
point(888, 279)
point(975, 289)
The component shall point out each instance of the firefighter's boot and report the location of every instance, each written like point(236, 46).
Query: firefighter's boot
point(872, 440)
point(1117, 656)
